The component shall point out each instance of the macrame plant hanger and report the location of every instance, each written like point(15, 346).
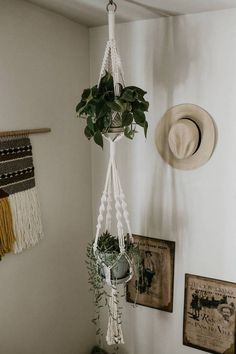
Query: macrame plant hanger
point(113, 197)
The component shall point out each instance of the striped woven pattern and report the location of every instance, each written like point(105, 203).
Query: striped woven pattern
point(20, 221)
point(16, 165)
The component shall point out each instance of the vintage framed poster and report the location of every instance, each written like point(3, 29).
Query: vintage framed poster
point(209, 314)
point(154, 286)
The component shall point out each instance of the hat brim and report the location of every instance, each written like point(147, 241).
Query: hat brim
point(206, 126)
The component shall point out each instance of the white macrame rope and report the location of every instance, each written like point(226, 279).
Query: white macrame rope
point(102, 206)
point(113, 193)
point(114, 330)
point(112, 64)
point(113, 185)
point(113, 180)
point(107, 271)
point(125, 208)
point(109, 207)
point(111, 60)
point(118, 208)
point(111, 24)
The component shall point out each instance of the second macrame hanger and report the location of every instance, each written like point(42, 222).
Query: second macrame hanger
point(113, 186)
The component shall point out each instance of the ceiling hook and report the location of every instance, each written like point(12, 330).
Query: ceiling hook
point(111, 4)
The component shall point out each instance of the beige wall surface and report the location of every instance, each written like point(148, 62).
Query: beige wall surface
point(44, 302)
point(187, 59)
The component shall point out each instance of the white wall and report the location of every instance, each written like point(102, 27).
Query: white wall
point(177, 60)
point(44, 302)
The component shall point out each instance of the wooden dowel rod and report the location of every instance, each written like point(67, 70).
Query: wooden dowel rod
point(24, 132)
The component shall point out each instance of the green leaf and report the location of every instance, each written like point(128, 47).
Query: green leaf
point(129, 133)
point(99, 124)
point(106, 83)
point(124, 106)
point(94, 91)
point(145, 128)
point(107, 120)
point(139, 117)
point(127, 118)
point(138, 91)
point(98, 138)
point(90, 109)
point(108, 96)
point(88, 133)
point(128, 95)
point(90, 123)
point(144, 106)
point(102, 110)
point(80, 105)
point(87, 107)
point(114, 106)
point(135, 105)
point(86, 94)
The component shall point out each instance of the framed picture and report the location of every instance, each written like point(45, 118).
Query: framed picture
point(153, 286)
point(209, 314)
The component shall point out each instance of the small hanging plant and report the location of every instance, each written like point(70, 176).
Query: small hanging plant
point(100, 108)
point(108, 254)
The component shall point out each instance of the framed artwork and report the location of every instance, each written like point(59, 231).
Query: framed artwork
point(154, 286)
point(209, 314)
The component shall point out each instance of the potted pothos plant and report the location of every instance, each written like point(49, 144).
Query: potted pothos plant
point(104, 111)
point(108, 253)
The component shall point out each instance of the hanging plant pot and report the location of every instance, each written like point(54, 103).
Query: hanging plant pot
point(120, 270)
point(115, 130)
point(104, 111)
point(110, 260)
point(106, 255)
point(116, 121)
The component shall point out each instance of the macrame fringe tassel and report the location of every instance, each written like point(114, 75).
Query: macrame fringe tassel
point(26, 219)
point(114, 330)
point(7, 236)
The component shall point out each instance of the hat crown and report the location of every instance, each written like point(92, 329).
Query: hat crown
point(184, 138)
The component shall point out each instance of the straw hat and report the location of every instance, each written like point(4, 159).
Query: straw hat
point(186, 136)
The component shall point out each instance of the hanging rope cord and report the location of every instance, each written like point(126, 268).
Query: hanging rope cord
point(113, 194)
point(112, 63)
point(113, 184)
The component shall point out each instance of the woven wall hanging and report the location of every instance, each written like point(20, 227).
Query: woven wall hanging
point(20, 221)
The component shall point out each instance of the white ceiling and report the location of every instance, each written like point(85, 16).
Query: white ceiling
point(92, 12)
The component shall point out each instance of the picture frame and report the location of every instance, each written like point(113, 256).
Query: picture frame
point(209, 314)
point(155, 286)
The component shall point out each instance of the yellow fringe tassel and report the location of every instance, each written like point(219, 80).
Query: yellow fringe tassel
point(7, 237)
